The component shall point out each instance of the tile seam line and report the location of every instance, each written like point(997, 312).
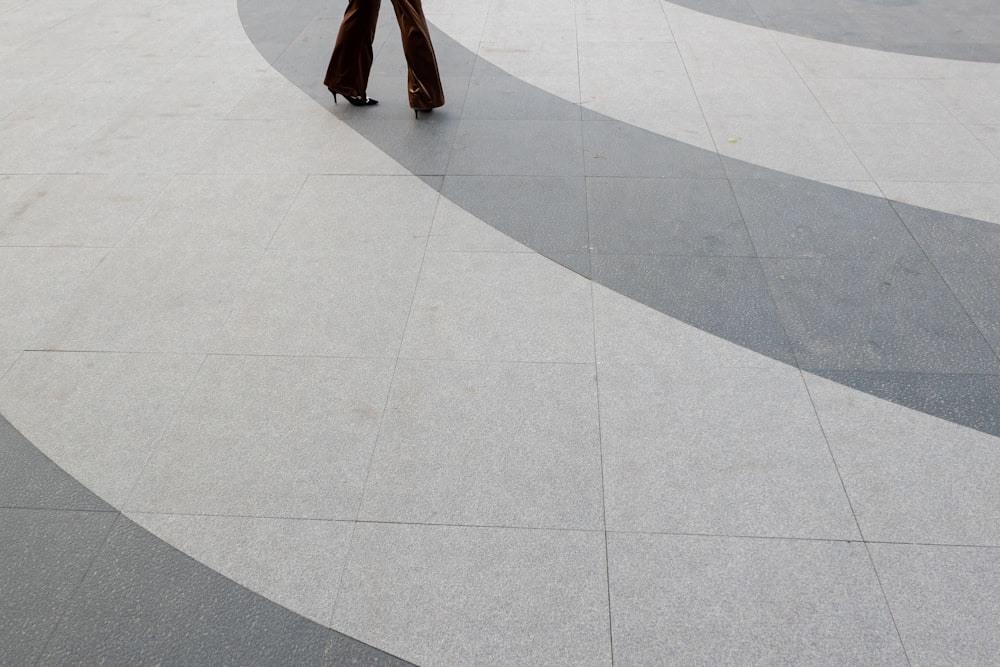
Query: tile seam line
point(951, 290)
point(826, 113)
point(385, 408)
point(611, 531)
point(77, 588)
point(888, 604)
point(154, 444)
point(594, 339)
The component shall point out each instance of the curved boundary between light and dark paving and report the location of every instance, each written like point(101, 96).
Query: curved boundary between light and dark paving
point(887, 298)
point(85, 585)
point(935, 28)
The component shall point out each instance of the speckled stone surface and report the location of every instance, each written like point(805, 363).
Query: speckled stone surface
point(669, 338)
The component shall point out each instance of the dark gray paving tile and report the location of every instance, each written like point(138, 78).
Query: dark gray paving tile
point(970, 400)
point(305, 60)
point(422, 146)
point(794, 217)
point(613, 148)
point(43, 557)
point(977, 286)
point(725, 296)
point(944, 601)
point(893, 316)
point(144, 602)
point(496, 95)
point(273, 27)
point(518, 147)
point(675, 216)
point(951, 238)
point(548, 215)
point(29, 479)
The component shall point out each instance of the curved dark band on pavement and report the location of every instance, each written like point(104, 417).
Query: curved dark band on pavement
point(887, 298)
point(958, 30)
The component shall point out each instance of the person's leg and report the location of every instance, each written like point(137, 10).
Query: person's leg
point(351, 61)
point(424, 85)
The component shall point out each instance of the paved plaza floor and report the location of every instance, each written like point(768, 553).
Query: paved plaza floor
point(671, 339)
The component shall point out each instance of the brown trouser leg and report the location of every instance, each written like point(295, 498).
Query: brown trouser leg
point(424, 81)
point(351, 62)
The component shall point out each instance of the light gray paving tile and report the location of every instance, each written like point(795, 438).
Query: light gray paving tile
point(192, 90)
point(731, 451)
point(878, 101)
point(295, 563)
point(457, 230)
point(944, 601)
point(793, 217)
point(287, 147)
point(517, 148)
point(325, 303)
point(98, 416)
point(43, 556)
point(7, 359)
point(44, 145)
point(345, 213)
point(911, 477)
point(37, 283)
point(146, 145)
point(269, 436)
point(155, 300)
point(971, 101)
point(628, 332)
point(620, 26)
point(666, 216)
point(724, 601)
point(895, 314)
point(756, 96)
point(215, 212)
point(77, 210)
point(489, 444)
point(549, 215)
point(499, 307)
point(988, 135)
point(13, 187)
point(922, 152)
point(456, 595)
point(273, 97)
point(814, 150)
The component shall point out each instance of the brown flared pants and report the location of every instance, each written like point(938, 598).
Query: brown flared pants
point(351, 62)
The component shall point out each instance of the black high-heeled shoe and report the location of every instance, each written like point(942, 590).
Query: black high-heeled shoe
point(355, 101)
